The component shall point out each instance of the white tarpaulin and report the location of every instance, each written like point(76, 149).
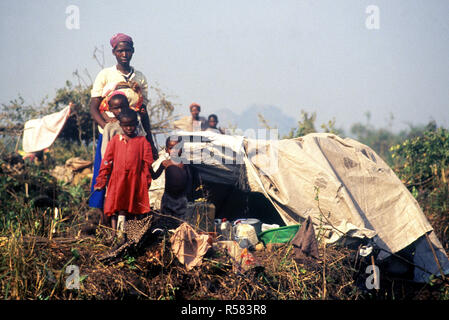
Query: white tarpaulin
point(343, 185)
point(40, 133)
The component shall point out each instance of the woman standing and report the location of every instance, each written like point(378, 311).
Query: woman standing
point(123, 50)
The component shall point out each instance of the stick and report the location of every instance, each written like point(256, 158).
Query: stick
point(374, 270)
point(90, 195)
point(324, 271)
point(93, 144)
point(435, 256)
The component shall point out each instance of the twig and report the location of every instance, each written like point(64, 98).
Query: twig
point(374, 270)
point(324, 271)
point(435, 257)
point(137, 289)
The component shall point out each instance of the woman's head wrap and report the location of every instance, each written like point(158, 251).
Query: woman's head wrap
point(120, 37)
point(195, 105)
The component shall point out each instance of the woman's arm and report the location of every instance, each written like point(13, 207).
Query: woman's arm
point(95, 112)
point(145, 120)
point(95, 101)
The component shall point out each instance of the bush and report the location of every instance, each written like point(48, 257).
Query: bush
point(422, 158)
point(422, 164)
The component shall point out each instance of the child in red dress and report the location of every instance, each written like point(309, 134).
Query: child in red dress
point(126, 165)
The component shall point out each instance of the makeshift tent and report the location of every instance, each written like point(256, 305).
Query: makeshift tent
point(343, 185)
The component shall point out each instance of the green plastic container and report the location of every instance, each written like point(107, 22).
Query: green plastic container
point(279, 235)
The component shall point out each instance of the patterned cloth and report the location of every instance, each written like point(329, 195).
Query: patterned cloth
point(130, 89)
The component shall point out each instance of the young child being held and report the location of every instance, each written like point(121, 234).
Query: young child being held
point(178, 179)
point(125, 169)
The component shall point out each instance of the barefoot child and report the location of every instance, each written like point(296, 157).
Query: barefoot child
point(126, 164)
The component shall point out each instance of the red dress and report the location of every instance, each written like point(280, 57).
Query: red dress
point(127, 162)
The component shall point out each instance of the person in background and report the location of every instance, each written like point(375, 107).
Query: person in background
point(194, 122)
point(212, 122)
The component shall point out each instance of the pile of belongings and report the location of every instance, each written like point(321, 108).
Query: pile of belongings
point(74, 170)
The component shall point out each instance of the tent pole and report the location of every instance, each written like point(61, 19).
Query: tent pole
point(93, 144)
point(435, 256)
point(374, 271)
point(18, 141)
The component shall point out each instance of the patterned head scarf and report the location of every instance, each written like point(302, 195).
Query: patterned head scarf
point(129, 89)
point(120, 37)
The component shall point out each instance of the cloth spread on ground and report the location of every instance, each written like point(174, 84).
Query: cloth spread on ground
point(40, 133)
point(188, 246)
point(127, 163)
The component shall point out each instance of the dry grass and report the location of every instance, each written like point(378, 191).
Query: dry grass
point(33, 268)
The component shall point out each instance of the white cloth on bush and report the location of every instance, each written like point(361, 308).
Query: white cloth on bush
point(39, 134)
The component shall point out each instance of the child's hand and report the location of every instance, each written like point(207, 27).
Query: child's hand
point(108, 118)
point(98, 188)
point(166, 163)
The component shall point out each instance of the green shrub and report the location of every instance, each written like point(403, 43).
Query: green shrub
point(422, 158)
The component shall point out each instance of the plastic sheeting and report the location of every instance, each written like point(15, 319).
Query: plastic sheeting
point(341, 184)
point(346, 187)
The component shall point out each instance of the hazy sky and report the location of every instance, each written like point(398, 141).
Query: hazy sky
point(313, 55)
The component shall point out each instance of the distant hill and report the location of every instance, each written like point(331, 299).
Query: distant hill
point(249, 119)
